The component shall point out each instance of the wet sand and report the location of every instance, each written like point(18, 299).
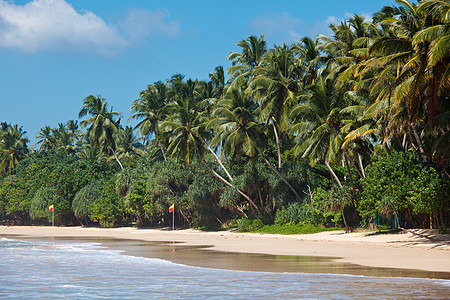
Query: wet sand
point(412, 253)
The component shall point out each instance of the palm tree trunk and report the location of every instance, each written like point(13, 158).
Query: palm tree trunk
point(411, 141)
point(361, 165)
point(348, 169)
point(355, 166)
point(419, 143)
point(345, 221)
point(218, 160)
point(115, 156)
point(446, 173)
point(333, 174)
point(162, 151)
point(230, 185)
point(277, 142)
point(281, 176)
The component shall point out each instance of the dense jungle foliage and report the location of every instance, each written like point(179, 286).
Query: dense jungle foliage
point(342, 131)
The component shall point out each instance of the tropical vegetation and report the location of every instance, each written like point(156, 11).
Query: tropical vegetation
point(348, 130)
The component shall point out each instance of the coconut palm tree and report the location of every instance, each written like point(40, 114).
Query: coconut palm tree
point(235, 119)
point(64, 139)
point(13, 147)
point(150, 109)
point(218, 80)
point(243, 63)
point(274, 86)
point(184, 121)
point(129, 144)
point(75, 132)
point(103, 125)
point(45, 138)
point(318, 122)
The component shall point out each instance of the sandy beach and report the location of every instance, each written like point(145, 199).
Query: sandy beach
point(411, 249)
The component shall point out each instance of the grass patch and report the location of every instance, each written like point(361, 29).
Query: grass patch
point(294, 229)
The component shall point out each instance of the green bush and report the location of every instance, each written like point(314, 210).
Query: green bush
point(257, 224)
point(400, 183)
point(281, 217)
point(107, 207)
point(244, 225)
point(82, 201)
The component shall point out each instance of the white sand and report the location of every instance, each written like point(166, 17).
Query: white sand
point(411, 249)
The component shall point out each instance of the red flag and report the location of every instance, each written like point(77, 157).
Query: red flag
point(50, 208)
point(171, 208)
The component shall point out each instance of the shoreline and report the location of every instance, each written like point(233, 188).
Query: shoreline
point(411, 249)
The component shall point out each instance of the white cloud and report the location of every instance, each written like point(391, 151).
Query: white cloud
point(142, 23)
point(282, 26)
point(54, 25)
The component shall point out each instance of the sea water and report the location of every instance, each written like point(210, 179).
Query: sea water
point(86, 270)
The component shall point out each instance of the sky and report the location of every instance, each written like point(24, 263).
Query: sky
point(55, 53)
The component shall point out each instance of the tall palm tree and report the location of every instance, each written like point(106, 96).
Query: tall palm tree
point(64, 139)
point(184, 121)
point(313, 61)
point(129, 144)
point(218, 80)
point(45, 138)
point(235, 119)
point(274, 86)
point(150, 110)
point(318, 122)
point(417, 53)
point(103, 124)
point(13, 147)
point(243, 63)
point(75, 132)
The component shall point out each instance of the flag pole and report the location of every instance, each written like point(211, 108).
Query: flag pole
point(173, 219)
point(53, 218)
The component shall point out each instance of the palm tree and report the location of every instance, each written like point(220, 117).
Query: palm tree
point(128, 144)
point(313, 61)
point(184, 121)
point(318, 121)
point(274, 86)
point(103, 125)
point(416, 54)
point(72, 127)
point(218, 80)
point(243, 63)
point(235, 121)
point(150, 109)
point(13, 147)
point(91, 154)
point(64, 139)
point(45, 138)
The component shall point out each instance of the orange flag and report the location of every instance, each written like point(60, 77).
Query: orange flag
point(50, 208)
point(171, 208)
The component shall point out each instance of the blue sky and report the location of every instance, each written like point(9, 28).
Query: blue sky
point(54, 53)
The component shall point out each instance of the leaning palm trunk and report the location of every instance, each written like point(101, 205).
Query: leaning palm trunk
point(230, 185)
point(115, 156)
point(361, 165)
point(282, 178)
point(278, 144)
point(355, 166)
point(333, 174)
point(218, 160)
point(345, 221)
point(419, 143)
point(162, 151)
